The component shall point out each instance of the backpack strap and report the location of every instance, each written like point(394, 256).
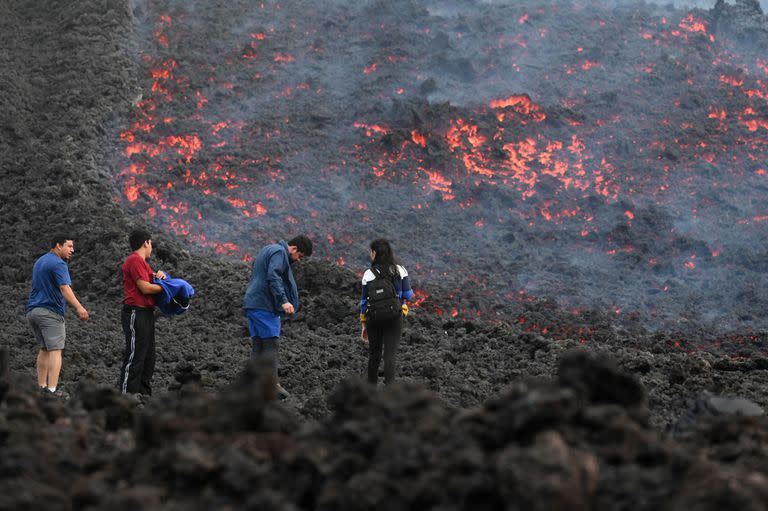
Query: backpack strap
point(392, 271)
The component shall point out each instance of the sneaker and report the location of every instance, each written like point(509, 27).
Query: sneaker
point(60, 392)
point(281, 392)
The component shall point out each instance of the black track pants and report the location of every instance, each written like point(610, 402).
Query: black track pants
point(386, 337)
point(139, 356)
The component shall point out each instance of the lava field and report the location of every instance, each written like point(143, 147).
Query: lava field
point(577, 189)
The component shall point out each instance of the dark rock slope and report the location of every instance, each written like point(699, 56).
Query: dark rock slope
point(486, 416)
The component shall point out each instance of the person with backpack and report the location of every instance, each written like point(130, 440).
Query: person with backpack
point(386, 288)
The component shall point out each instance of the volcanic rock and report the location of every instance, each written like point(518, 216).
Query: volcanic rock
point(561, 182)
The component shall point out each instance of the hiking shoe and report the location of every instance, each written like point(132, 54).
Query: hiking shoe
point(60, 392)
point(281, 392)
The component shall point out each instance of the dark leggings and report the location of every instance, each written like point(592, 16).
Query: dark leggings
point(266, 348)
point(384, 336)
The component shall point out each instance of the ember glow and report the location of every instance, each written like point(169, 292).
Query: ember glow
point(597, 157)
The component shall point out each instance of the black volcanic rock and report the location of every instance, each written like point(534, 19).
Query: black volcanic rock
point(505, 397)
point(599, 380)
point(536, 445)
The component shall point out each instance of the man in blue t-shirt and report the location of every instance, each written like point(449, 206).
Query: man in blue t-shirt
point(51, 287)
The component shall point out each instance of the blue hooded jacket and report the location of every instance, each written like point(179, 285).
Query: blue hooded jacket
point(272, 283)
point(175, 296)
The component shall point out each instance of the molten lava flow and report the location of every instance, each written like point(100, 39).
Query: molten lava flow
point(418, 138)
point(520, 104)
point(372, 129)
point(580, 141)
point(692, 24)
point(732, 80)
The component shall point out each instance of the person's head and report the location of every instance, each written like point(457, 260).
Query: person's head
point(299, 247)
point(381, 253)
point(140, 239)
point(62, 245)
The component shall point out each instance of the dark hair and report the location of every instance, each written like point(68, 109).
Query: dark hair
point(302, 244)
point(60, 238)
point(137, 238)
point(384, 258)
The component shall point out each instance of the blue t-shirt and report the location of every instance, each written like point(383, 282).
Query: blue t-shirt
point(49, 272)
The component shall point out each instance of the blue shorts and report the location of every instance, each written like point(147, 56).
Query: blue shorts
point(262, 324)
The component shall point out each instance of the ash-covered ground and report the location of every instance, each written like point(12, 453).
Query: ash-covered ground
point(493, 410)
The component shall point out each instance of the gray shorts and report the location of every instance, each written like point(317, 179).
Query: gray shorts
point(48, 328)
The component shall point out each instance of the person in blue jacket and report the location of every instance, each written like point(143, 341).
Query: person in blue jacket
point(272, 293)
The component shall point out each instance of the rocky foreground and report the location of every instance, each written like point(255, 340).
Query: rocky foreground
point(580, 441)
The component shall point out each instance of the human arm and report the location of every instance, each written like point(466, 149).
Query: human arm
point(148, 288)
point(276, 268)
point(69, 296)
point(364, 328)
point(406, 292)
point(363, 309)
point(136, 270)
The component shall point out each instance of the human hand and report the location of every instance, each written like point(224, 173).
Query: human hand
point(364, 334)
point(83, 314)
point(288, 308)
point(160, 275)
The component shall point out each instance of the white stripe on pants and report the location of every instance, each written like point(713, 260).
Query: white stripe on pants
point(133, 350)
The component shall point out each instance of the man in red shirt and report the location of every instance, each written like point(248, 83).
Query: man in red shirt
point(138, 316)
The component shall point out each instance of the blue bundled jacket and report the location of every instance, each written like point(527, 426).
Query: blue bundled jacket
point(272, 283)
point(175, 296)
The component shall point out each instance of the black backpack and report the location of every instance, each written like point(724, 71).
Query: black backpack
point(383, 302)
